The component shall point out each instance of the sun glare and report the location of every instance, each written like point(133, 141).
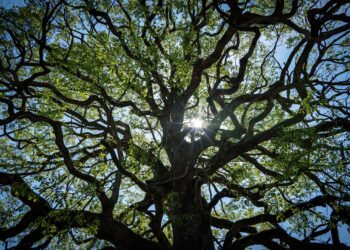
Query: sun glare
point(196, 123)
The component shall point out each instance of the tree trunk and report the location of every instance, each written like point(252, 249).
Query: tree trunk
point(191, 224)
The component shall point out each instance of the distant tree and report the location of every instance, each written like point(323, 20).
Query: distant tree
point(199, 124)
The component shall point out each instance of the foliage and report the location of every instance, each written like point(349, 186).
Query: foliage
point(99, 148)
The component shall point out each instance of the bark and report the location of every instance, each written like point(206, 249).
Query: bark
point(191, 224)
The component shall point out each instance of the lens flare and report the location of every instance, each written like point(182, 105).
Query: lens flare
point(197, 123)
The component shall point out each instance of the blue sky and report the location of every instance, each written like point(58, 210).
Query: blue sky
point(281, 54)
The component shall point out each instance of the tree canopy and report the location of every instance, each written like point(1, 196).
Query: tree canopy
point(200, 124)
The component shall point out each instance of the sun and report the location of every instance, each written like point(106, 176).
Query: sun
point(196, 123)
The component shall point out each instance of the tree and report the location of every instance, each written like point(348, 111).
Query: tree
point(174, 124)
